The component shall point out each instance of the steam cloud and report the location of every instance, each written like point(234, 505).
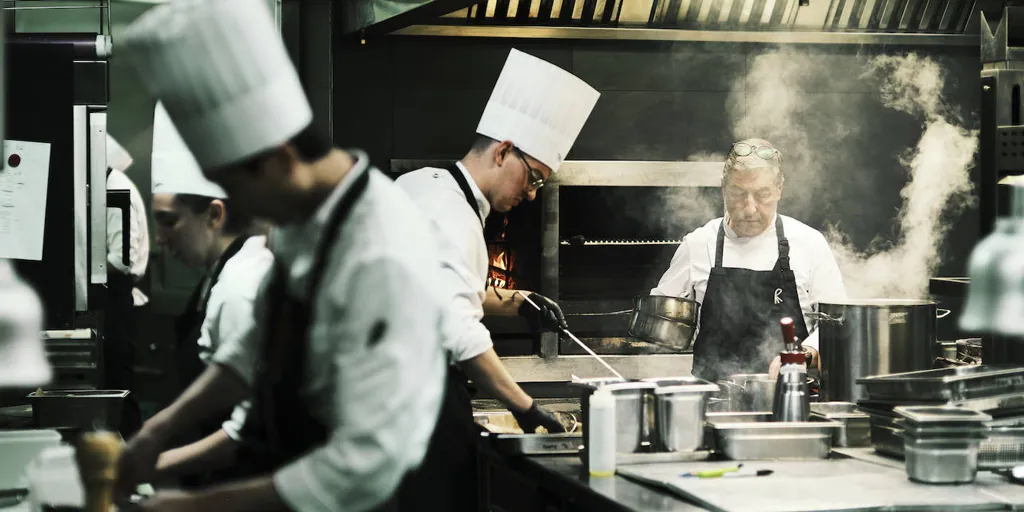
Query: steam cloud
point(939, 184)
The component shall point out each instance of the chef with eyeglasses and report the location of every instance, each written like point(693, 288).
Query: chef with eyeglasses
point(532, 119)
point(751, 268)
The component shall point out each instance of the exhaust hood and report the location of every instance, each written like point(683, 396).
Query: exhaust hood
point(945, 22)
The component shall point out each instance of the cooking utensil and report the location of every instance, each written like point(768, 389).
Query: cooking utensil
point(577, 340)
point(859, 338)
point(668, 322)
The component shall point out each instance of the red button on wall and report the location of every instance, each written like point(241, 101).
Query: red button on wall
point(14, 160)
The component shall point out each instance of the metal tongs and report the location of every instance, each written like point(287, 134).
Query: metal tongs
point(577, 340)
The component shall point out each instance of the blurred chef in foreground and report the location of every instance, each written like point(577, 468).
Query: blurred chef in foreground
point(23, 360)
point(197, 224)
point(347, 329)
point(751, 268)
point(531, 121)
point(122, 295)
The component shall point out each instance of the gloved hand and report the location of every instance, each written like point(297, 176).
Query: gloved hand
point(537, 416)
point(548, 318)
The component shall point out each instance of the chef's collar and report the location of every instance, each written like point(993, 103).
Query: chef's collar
point(729, 233)
point(323, 214)
point(483, 206)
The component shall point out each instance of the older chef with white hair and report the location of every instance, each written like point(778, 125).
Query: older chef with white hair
point(532, 119)
point(751, 268)
point(347, 330)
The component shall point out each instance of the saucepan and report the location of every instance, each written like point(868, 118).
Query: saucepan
point(668, 322)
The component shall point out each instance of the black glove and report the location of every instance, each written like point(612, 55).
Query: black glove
point(548, 318)
point(537, 416)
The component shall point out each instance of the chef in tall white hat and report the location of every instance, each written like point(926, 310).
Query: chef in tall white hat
point(123, 297)
point(348, 329)
point(532, 119)
point(197, 224)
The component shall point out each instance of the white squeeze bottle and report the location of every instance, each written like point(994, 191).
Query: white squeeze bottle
point(601, 450)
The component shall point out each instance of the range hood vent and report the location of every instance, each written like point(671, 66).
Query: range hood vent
point(953, 22)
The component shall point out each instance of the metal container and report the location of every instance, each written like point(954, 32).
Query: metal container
point(856, 425)
point(775, 440)
point(629, 410)
point(534, 444)
point(82, 409)
point(859, 338)
point(946, 384)
point(748, 392)
point(1002, 449)
point(941, 462)
point(669, 322)
point(680, 405)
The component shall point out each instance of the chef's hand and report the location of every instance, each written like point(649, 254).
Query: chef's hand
point(548, 318)
point(168, 501)
point(537, 416)
point(773, 369)
point(138, 462)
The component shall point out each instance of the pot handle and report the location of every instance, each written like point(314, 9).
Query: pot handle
point(822, 317)
point(942, 313)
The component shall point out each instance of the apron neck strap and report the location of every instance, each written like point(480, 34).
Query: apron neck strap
point(780, 234)
point(456, 173)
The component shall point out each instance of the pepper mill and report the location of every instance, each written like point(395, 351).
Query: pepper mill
point(97, 454)
point(792, 401)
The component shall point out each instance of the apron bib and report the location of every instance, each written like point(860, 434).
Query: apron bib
point(739, 318)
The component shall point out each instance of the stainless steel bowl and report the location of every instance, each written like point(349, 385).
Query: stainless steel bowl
point(668, 322)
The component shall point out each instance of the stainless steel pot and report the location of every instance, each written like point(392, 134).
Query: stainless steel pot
point(860, 338)
point(664, 321)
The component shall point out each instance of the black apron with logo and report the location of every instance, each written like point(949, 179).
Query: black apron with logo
point(739, 318)
point(447, 478)
point(279, 427)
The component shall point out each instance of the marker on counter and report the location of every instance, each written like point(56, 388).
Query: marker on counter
point(731, 472)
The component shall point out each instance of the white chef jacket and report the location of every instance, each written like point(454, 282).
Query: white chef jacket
point(229, 310)
point(138, 238)
point(383, 267)
point(464, 258)
point(817, 274)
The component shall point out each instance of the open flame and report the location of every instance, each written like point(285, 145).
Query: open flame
point(502, 258)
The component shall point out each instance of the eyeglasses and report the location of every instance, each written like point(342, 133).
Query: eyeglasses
point(536, 178)
point(765, 152)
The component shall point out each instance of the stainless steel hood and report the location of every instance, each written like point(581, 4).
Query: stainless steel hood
point(928, 22)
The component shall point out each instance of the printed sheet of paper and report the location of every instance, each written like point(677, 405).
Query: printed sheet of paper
point(23, 182)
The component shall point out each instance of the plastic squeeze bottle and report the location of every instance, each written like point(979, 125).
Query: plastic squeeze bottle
point(601, 451)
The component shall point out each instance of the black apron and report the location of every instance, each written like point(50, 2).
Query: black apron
point(188, 329)
point(279, 428)
point(447, 478)
point(741, 309)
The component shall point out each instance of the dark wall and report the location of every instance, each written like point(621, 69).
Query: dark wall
point(422, 97)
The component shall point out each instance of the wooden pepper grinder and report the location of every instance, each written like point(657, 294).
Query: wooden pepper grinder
point(97, 454)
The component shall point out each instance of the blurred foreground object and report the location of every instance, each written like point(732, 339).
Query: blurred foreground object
point(22, 357)
point(97, 454)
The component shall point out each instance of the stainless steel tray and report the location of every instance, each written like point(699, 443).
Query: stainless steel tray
point(855, 430)
point(956, 383)
point(1004, 448)
point(535, 444)
point(940, 416)
point(775, 440)
point(661, 458)
point(996, 405)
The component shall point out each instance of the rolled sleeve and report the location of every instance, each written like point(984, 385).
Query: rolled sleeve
point(233, 426)
point(676, 281)
point(236, 339)
point(388, 363)
point(826, 284)
point(466, 337)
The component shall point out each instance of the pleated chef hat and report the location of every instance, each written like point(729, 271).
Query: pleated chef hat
point(222, 72)
point(175, 170)
point(538, 106)
point(117, 157)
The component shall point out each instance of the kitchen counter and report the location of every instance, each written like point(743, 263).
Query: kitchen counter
point(855, 479)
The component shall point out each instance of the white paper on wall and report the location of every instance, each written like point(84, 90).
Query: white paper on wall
point(23, 182)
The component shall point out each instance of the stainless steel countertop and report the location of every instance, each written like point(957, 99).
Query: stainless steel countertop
point(869, 484)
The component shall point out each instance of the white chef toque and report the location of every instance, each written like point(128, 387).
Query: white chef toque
point(175, 170)
point(118, 158)
point(222, 72)
point(22, 355)
point(538, 106)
